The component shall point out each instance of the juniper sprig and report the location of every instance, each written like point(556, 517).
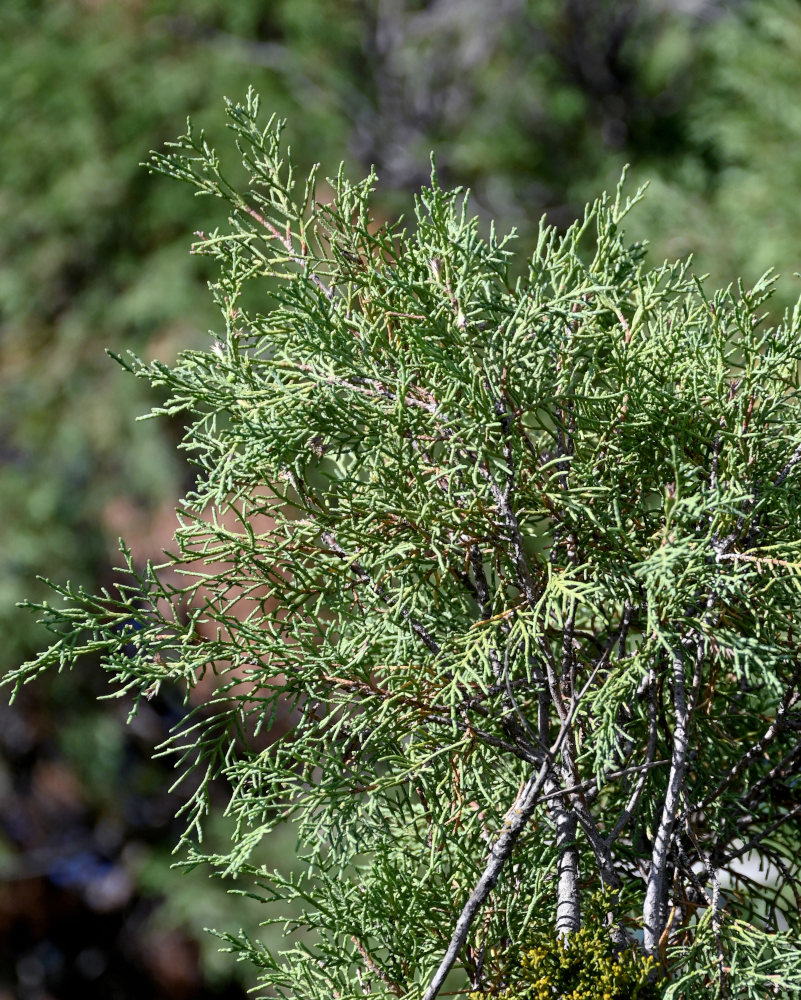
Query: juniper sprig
point(515, 545)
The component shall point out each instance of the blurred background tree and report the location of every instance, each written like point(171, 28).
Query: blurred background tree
point(533, 104)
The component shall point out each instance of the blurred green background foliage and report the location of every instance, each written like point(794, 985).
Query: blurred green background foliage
point(533, 104)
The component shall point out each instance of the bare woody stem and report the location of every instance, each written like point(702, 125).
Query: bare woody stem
point(517, 817)
point(654, 908)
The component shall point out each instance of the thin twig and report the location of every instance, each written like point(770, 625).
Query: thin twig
point(286, 240)
point(376, 969)
point(631, 805)
point(754, 842)
point(755, 751)
point(795, 458)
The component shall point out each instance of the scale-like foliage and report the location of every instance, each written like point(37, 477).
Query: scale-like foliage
point(518, 547)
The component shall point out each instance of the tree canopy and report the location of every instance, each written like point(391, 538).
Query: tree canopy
point(516, 542)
